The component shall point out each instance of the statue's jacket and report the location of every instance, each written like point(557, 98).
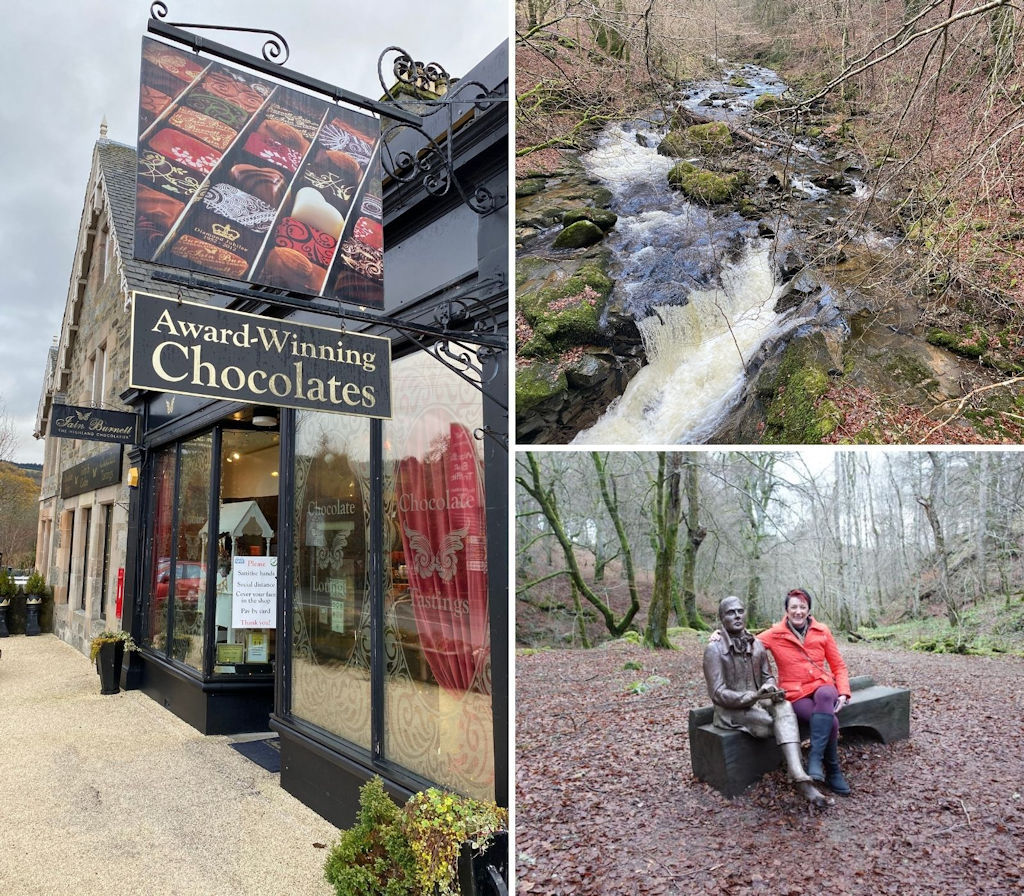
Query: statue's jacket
point(733, 667)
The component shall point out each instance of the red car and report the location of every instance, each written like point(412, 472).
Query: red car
point(189, 578)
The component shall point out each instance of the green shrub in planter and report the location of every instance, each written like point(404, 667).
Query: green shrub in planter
point(413, 851)
point(35, 587)
point(438, 823)
point(7, 586)
point(110, 637)
point(374, 857)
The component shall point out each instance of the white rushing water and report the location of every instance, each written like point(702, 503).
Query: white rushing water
point(701, 282)
point(697, 353)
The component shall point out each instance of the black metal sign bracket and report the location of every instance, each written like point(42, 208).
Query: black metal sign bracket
point(269, 64)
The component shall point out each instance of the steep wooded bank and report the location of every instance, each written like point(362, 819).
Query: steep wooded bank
point(928, 103)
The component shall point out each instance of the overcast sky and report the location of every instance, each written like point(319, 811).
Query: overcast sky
point(67, 64)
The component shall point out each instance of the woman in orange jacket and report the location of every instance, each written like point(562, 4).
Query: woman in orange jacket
point(814, 676)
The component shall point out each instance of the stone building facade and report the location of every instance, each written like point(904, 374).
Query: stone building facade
point(82, 531)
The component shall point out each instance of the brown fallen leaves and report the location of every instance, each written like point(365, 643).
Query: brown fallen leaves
point(606, 802)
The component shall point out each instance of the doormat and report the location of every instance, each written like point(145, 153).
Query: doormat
point(266, 753)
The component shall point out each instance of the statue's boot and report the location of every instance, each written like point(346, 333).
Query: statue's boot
point(814, 796)
point(800, 778)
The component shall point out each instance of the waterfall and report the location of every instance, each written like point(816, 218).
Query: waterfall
point(696, 358)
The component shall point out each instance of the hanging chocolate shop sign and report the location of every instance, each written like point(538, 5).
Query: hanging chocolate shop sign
point(191, 349)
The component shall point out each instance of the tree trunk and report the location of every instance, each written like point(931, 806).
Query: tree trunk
point(545, 499)
point(927, 502)
point(695, 535)
point(665, 537)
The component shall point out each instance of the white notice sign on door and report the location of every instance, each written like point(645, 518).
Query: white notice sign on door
point(254, 592)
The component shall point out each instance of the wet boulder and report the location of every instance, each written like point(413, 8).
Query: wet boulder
point(834, 183)
point(538, 382)
point(789, 265)
point(770, 102)
point(602, 217)
point(674, 145)
point(578, 235)
point(711, 138)
point(702, 186)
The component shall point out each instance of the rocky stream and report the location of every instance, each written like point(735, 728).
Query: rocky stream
point(706, 274)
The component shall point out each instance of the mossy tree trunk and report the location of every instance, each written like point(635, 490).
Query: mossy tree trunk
point(695, 535)
point(545, 498)
point(928, 504)
point(664, 538)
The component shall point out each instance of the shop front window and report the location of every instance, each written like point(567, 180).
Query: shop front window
point(437, 701)
point(164, 477)
point(244, 578)
point(331, 609)
point(431, 597)
point(184, 580)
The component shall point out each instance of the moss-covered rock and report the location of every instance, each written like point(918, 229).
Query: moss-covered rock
point(968, 345)
point(572, 320)
point(700, 185)
point(713, 137)
point(530, 186)
point(797, 414)
point(536, 382)
point(579, 235)
point(602, 217)
point(547, 208)
point(770, 102)
point(531, 344)
point(674, 145)
point(566, 311)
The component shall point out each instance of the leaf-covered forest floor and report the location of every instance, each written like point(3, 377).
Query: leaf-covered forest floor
point(606, 802)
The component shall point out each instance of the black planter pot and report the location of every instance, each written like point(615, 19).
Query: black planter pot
point(4, 633)
point(108, 664)
point(485, 873)
point(32, 617)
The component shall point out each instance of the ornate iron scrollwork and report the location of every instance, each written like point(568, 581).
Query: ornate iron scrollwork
point(434, 91)
point(275, 49)
point(466, 337)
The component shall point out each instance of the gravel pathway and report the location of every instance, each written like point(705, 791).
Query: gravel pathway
point(114, 794)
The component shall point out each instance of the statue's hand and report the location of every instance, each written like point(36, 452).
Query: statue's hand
point(770, 690)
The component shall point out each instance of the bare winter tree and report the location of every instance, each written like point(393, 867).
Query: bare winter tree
point(7, 436)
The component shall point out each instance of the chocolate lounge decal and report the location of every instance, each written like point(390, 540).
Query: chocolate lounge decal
point(94, 424)
point(246, 179)
point(191, 349)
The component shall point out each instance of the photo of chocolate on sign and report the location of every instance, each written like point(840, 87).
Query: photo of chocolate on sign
point(250, 180)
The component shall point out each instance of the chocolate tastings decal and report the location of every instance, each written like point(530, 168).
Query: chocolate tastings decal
point(191, 349)
point(245, 179)
point(94, 424)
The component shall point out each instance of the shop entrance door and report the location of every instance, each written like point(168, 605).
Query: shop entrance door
point(247, 539)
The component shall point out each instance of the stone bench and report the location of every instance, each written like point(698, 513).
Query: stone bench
point(731, 760)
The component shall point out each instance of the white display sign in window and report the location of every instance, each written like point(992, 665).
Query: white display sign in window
point(254, 592)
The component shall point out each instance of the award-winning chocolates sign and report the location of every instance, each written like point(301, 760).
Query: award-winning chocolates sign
point(249, 180)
